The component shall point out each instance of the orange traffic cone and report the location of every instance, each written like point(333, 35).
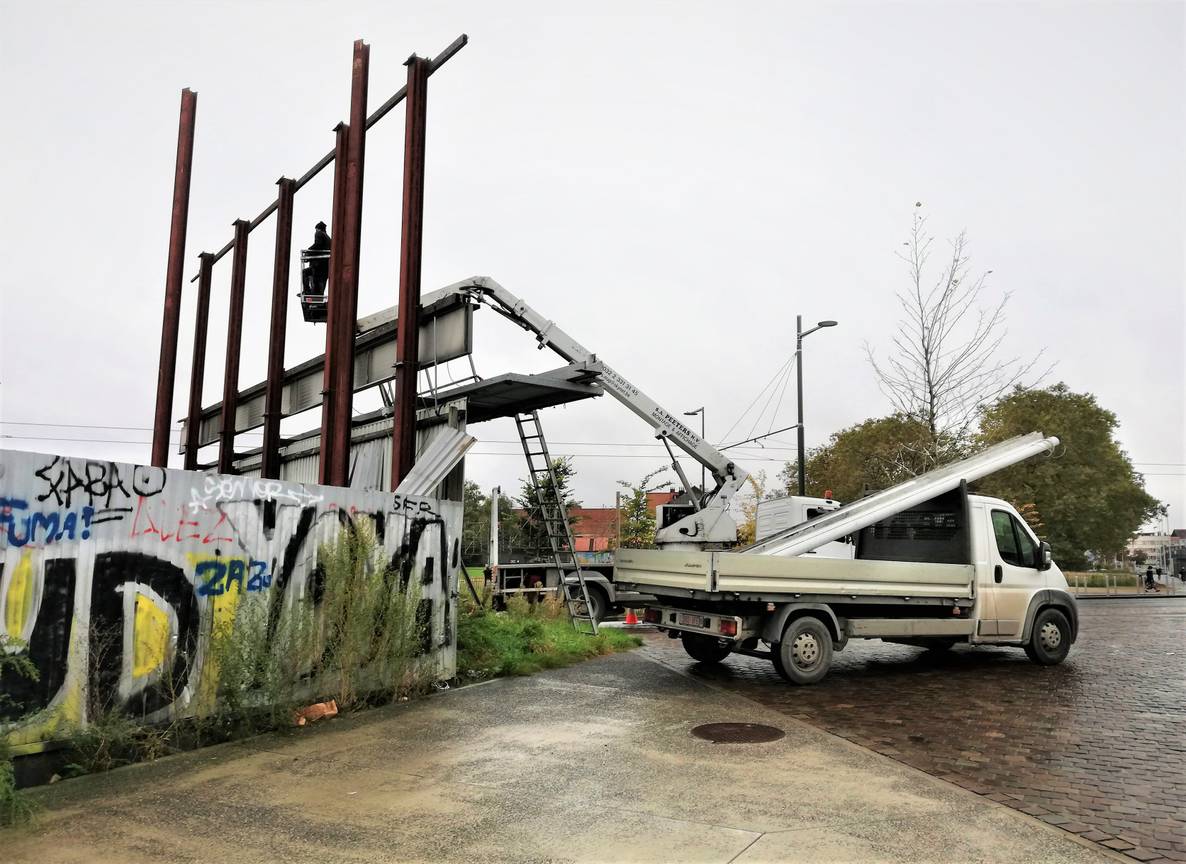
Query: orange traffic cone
point(631, 618)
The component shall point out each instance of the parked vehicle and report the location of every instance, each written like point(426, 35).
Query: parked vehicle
point(932, 566)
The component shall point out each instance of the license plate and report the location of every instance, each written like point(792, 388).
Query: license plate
point(691, 620)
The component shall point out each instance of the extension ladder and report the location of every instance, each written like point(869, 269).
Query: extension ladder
point(554, 516)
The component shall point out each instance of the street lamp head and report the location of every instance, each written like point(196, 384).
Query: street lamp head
point(699, 410)
point(827, 323)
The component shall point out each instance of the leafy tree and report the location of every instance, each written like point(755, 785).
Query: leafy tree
point(1089, 496)
point(636, 523)
point(945, 365)
point(475, 531)
point(532, 533)
point(747, 528)
point(871, 455)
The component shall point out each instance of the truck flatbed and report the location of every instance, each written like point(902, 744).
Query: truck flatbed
point(721, 575)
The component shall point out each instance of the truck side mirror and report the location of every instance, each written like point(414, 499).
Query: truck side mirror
point(1046, 557)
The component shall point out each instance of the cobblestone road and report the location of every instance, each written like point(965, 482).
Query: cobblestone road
point(1096, 746)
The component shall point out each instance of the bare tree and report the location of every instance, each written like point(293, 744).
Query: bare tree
point(946, 365)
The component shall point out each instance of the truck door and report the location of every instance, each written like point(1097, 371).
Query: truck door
point(1015, 574)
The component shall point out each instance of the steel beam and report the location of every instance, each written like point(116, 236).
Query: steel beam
point(337, 220)
point(197, 370)
point(167, 369)
point(234, 342)
point(403, 439)
point(273, 410)
point(379, 113)
point(348, 243)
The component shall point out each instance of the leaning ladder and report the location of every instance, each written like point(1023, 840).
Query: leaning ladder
point(555, 518)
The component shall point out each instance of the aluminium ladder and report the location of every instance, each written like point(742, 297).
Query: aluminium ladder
point(555, 518)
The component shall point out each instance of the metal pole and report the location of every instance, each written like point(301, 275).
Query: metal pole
point(338, 219)
point(167, 369)
point(349, 244)
point(234, 340)
point(703, 477)
point(273, 413)
point(197, 371)
point(799, 372)
point(407, 361)
point(493, 554)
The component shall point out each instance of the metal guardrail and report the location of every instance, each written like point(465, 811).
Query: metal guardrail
point(1167, 585)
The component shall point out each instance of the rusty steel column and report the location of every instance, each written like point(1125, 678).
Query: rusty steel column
point(407, 336)
point(273, 412)
point(349, 243)
point(234, 340)
point(337, 223)
point(197, 370)
point(162, 419)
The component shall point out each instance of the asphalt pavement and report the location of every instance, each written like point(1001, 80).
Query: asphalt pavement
point(592, 763)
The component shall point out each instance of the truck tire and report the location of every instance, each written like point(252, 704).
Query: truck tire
point(704, 649)
point(805, 653)
point(938, 644)
point(598, 603)
point(1050, 638)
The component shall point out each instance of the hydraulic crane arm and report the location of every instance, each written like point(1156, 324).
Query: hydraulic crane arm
point(706, 521)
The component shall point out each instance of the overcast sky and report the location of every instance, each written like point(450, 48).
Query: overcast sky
point(672, 183)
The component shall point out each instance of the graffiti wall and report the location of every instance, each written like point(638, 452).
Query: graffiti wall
point(161, 558)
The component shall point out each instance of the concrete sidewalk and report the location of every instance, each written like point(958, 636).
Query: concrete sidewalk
point(591, 763)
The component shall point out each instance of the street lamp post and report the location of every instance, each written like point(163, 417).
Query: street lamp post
point(700, 411)
point(800, 334)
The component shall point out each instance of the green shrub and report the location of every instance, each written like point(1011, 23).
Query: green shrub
point(15, 808)
point(517, 642)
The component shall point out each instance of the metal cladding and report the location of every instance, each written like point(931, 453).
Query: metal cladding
point(119, 578)
point(439, 458)
point(197, 374)
point(348, 244)
point(234, 342)
point(162, 419)
point(273, 412)
point(403, 439)
point(332, 336)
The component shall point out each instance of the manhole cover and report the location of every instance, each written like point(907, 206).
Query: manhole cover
point(737, 733)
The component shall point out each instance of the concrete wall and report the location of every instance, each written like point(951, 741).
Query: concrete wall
point(163, 557)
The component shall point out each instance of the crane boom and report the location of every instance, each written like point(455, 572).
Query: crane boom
point(702, 522)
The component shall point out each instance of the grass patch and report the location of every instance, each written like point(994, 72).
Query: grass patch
point(525, 639)
point(1101, 579)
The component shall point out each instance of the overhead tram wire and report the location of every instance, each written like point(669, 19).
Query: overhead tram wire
point(784, 368)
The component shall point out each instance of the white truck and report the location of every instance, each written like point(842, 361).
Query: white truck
point(930, 564)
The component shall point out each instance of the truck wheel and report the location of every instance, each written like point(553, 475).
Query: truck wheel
point(704, 649)
point(805, 653)
point(1050, 639)
point(938, 646)
point(598, 604)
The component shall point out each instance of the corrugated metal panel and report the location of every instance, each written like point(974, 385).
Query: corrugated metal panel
point(302, 469)
point(441, 456)
point(853, 517)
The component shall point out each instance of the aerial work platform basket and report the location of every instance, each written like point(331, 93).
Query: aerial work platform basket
point(313, 296)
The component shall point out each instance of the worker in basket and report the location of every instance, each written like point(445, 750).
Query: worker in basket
point(317, 258)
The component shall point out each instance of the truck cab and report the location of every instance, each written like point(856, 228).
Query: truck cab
point(1015, 573)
